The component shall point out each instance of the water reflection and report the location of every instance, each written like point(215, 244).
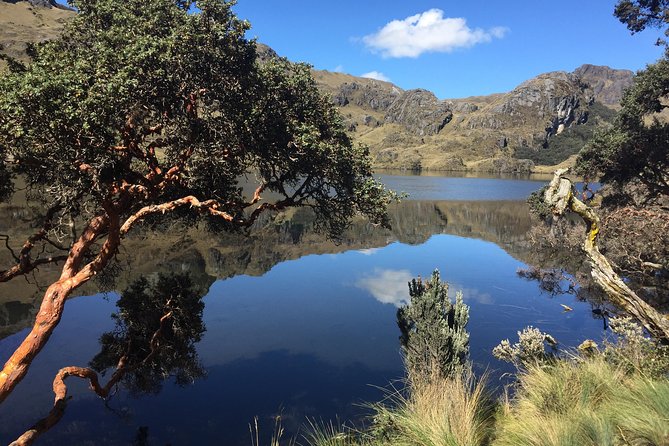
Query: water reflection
point(157, 325)
point(387, 286)
point(289, 235)
point(296, 325)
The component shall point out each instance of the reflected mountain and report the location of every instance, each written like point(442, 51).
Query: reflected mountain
point(273, 239)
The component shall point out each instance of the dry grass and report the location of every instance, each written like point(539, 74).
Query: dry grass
point(21, 23)
point(584, 402)
point(435, 412)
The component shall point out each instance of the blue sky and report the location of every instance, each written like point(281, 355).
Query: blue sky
point(453, 48)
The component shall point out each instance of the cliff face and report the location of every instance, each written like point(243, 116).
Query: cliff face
point(607, 84)
point(414, 130)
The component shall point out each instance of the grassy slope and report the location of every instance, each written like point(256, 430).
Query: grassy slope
point(21, 23)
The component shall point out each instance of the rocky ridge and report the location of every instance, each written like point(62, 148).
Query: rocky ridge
point(414, 129)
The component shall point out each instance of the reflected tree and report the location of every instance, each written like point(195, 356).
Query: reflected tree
point(157, 325)
point(149, 110)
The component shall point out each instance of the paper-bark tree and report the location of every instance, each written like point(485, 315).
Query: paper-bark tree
point(152, 109)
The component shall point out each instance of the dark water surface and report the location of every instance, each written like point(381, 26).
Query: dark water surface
point(302, 328)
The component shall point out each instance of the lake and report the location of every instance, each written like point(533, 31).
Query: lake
point(297, 326)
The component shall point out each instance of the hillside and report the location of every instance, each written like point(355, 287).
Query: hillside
point(543, 121)
point(23, 22)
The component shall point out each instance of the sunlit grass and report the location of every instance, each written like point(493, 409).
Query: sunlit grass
point(432, 412)
point(575, 402)
point(584, 402)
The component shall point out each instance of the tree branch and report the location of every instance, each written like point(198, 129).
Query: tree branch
point(561, 198)
point(60, 388)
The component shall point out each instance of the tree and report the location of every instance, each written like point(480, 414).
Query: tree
point(636, 147)
point(640, 14)
point(434, 336)
point(157, 325)
point(144, 111)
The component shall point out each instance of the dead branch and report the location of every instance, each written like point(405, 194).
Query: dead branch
point(561, 198)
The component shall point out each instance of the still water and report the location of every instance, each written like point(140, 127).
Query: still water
point(299, 327)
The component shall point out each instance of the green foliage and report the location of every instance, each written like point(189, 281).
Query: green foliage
point(637, 146)
point(434, 338)
point(641, 14)
point(538, 205)
point(141, 102)
point(155, 349)
point(635, 353)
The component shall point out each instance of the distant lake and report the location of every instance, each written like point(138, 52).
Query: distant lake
point(302, 328)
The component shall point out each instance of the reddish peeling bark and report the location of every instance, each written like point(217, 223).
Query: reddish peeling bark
point(51, 309)
point(60, 388)
point(74, 275)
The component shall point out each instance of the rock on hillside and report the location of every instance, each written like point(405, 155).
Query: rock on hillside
point(413, 129)
point(420, 112)
point(545, 119)
point(606, 83)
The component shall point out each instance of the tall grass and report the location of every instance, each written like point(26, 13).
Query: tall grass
point(577, 402)
point(438, 411)
point(584, 402)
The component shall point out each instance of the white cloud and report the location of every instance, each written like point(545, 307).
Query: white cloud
point(368, 251)
point(338, 69)
point(376, 75)
point(429, 31)
point(387, 286)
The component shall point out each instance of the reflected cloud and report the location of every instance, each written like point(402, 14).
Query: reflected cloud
point(368, 251)
point(470, 294)
point(387, 286)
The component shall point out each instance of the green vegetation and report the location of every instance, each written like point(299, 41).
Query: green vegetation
point(584, 402)
point(434, 336)
point(635, 148)
point(571, 140)
point(616, 396)
point(144, 111)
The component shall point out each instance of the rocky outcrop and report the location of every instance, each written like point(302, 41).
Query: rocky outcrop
point(607, 84)
point(371, 94)
point(420, 112)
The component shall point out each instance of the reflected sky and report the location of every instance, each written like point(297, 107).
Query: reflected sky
point(308, 337)
point(314, 336)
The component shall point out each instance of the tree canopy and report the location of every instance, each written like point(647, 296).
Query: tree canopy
point(641, 14)
point(636, 147)
point(149, 109)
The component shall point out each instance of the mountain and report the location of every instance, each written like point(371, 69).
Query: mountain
point(544, 120)
point(33, 21)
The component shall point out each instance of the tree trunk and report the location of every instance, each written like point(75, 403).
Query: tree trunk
point(560, 197)
point(53, 303)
